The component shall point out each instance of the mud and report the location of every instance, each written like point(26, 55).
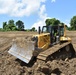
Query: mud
point(10, 65)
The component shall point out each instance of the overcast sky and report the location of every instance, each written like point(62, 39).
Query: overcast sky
point(34, 12)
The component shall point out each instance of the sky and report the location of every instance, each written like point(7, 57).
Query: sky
point(34, 12)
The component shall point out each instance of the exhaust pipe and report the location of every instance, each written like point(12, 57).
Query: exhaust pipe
point(39, 30)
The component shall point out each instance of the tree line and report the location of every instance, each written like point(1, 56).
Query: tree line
point(19, 25)
point(55, 21)
point(11, 25)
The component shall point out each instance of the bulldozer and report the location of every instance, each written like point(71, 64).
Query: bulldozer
point(50, 43)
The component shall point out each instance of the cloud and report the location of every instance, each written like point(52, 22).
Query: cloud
point(42, 12)
point(20, 8)
point(67, 22)
point(42, 18)
point(52, 1)
point(39, 23)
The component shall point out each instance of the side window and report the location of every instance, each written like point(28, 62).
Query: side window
point(62, 31)
point(52, 32)
point(45, 29)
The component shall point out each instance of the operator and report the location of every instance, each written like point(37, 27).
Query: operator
point(56, 36)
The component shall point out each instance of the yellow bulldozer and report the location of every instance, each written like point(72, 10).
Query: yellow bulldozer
point(50, 43)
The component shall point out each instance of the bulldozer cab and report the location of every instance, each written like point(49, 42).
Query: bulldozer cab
point(55, 31)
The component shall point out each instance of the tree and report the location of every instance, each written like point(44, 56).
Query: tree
point(4, 25)
point(1, 29)
point(33, 29)
point(52, 21)
point(73, 23)
point(10, 26)
point(11, 22)
point(48, 22)
point(20, 25)
point(56, 22)
point(61, 24)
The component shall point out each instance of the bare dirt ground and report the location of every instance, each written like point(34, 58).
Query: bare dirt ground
point(10, 65)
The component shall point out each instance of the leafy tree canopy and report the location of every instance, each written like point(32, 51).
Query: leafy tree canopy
point(10, 26)
point(52, 21)
point(4, 25)
point(33, 29)
point(73, 23)
point(20, 25)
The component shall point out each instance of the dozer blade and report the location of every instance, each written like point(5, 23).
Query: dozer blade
point(22, 50)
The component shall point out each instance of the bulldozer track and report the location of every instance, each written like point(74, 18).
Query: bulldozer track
point(43, 55)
